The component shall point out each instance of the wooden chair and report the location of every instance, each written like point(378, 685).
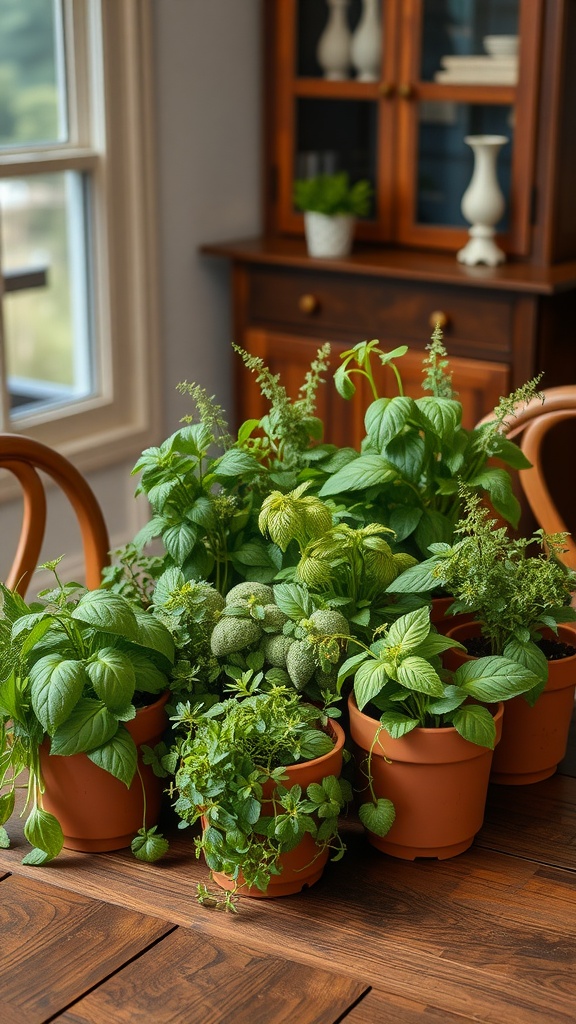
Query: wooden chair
point(530, 427)
point(23, 457)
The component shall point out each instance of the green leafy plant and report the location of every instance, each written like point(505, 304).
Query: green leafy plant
point(511, 592)
point(333, 194)
point(205, 487)
point(348, 566)
point(74, 667)
point(399, 679)
point(416, 453)
point(224, 760)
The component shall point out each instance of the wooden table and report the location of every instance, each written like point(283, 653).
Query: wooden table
point(489, 936)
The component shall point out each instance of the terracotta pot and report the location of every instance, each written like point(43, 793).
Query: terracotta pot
point(303, 865)
point(96, 811)
point(436, 780)
point(534, 739)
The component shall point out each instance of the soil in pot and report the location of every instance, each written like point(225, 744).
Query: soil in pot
point(534, 739)
point(97, 812)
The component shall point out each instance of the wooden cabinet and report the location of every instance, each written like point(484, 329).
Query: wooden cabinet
point(405, 132)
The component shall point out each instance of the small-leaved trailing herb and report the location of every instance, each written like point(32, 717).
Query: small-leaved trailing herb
point(222, 763)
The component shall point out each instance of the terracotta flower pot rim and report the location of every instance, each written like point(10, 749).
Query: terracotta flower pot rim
point(425, 729)
point(560, 675)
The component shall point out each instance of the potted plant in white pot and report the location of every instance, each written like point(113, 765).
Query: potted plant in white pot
point(518, 601)
point(83, 686)
point(331, 204)
point(424, 738)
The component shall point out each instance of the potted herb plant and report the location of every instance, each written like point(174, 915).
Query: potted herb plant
point(83, 685)
point(331, 204)
point(424, 738)
point(416, 452)
point(517, 599)
point(261, 771)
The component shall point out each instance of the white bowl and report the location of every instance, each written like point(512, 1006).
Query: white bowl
point(500, 46)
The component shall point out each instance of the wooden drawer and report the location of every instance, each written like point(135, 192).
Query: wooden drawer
point(354, 307)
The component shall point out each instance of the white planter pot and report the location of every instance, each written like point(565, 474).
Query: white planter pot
point(329, 237)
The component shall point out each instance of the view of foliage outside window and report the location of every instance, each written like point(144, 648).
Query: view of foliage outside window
point(42, 213)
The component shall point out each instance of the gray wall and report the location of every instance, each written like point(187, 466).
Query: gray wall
point(208, 60)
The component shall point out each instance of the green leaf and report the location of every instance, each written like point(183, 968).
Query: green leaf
point(118, 756)
point(409, 630)
point(371, 677)
point(397, 725)
point(107, 612)
point(499, 486)
point(407, 453)
point(443, 414)
point(179, 541)
point(43, 830)
point(148, 677)
point(418, 675)
point(149, 846)
point(404, 519)
point(509, 452)
point(386, 418)
point(112, 676)
point(343, 383)
point(379, 817)
point(433, 528)
point(475, 724)
point(4, 839)
point(154, 635)
point(365, 471)
point(7, 806)
point(293, 600)
point(493, 679)
point(90, 725)
point(529, 655)
point(56, 686)
point(235, 462)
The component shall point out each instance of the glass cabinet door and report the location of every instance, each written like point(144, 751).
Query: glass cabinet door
point(442, 70)
point(332, 119)
point(461, 75)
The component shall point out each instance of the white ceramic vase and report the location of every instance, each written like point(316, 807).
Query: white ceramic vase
point(483, 202)
point(366, 48)
point(329, 237)
point(333, 50)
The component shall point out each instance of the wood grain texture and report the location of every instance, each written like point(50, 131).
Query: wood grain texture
point(379, 1007)
point(487, 936)
point(188, 977)
point(57, 944)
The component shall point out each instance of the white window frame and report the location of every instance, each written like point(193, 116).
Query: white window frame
point(111, 136)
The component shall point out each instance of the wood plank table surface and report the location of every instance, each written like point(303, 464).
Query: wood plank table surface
point(489, 936)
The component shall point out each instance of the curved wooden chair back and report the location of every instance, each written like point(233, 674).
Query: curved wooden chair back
point(530, 427)
point(23, 457)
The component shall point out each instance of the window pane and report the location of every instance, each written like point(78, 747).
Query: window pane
point(32, 85)
point(47, 329)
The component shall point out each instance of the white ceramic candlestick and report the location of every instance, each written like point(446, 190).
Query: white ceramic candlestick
point(333, 50)
point(483, 202)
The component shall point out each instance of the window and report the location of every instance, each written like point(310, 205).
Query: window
point(78, 312)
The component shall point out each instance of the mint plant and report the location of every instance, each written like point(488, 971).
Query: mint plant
point(399, 680)
point(74, 667)
point(416, 453)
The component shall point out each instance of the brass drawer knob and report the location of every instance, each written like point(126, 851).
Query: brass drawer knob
point(386, 89)
point(438, 317)
point(308, 304)
point(405, 90)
